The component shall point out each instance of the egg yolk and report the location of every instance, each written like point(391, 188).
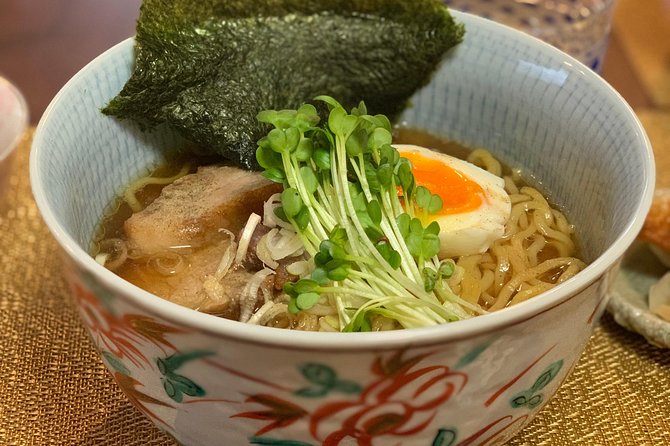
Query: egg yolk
point(459, 194)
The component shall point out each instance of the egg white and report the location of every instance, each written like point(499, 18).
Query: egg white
point(474, 231)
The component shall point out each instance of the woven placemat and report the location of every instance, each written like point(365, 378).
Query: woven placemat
point(55, 390)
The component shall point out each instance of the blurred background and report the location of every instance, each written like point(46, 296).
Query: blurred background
point(44, 42)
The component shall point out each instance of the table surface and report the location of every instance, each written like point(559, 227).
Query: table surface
point(53, 387)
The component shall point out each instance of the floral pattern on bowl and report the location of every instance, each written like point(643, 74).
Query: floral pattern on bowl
point(167, 374)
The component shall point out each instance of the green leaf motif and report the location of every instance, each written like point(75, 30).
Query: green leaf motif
point(312, 392)
point(176, 385)
point(532, 398)
point(348, 387)
point(318, 374)
point(520, 399)
point(445, 437)
point(115, 363)
point(547, 376)
point(535, 401)
point(472, 355)
point(325, 380)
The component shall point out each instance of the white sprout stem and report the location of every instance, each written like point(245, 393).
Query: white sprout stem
point(245, 238)
point(407, 263)
point(292, 178)
point(397, 241)
point(409, 284)
point(390, 286)
point(315, 208)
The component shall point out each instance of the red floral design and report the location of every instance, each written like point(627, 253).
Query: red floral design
point(110, 333)
point(138, 399)
point(281, 412)
point(120, 335)
point(401, 402)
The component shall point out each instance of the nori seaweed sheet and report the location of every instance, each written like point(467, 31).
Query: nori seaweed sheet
point(208, 67)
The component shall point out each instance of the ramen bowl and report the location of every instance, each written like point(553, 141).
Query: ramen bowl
point(211, 381)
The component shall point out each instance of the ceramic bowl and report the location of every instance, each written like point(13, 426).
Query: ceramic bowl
point(13, 122)
point(209, 381)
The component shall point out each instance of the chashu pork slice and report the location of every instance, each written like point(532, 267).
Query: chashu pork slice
point(192, 210)
point(182, 229)
point(186, 285)
point(656, 228)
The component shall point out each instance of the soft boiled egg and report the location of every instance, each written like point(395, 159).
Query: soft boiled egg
point(475, 205)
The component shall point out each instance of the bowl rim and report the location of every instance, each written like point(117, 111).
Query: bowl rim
point(322, 341)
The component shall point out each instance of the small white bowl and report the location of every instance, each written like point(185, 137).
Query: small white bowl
point(13, 122)
point(641, 269)
point(207, 380)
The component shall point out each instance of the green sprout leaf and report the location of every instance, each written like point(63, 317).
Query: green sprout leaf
point(423, 197)
point(280, 214)
point(339, 273)
point(302, 219)
point(361, 110)
point(430, 278)
point(332, 102)
point(267, 157)
point(372, 177)
point(403, 222)
point(322, 158)
point(447, 268)
point(389, 154)
point(389, 254)
point(374, 211)
point(405, 177)
point(380, 137)
point(309, 179)
point(277, 140)
point(305, 301)
point(338, 235)
point(357, 142)
point(359, 323)
point(320, 276)
point(293, 306)
point(291, 202)
point(305, 286)
point(435, 204)
point(304, 150)
point(306, 117)
point(274, 174)
point(430, 245)
point(433, 228)
point(292, 139)
point(336, 120)
point(385, 175)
